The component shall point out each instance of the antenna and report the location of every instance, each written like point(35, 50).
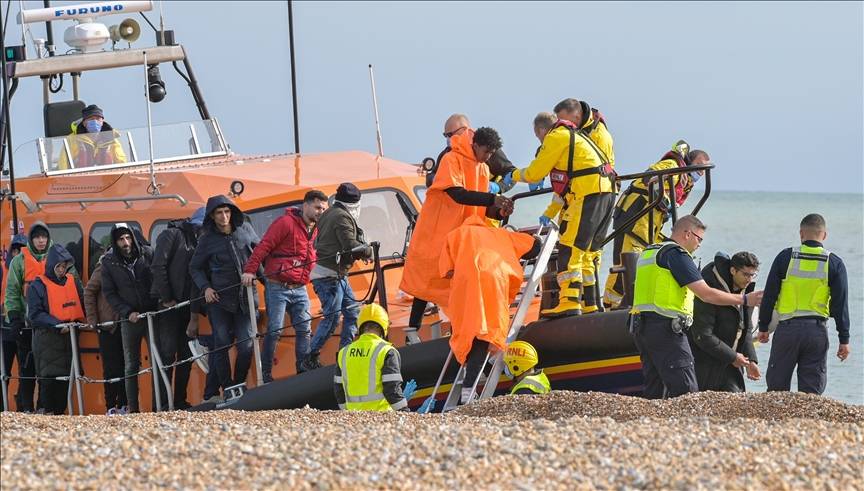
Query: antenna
point(375, 105)
point(293, 78)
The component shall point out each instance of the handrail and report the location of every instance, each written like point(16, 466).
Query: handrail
point(662, 173)
point(128, 200)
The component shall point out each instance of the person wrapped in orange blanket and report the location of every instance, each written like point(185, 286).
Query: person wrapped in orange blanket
point(460, 189)
point(483, 264)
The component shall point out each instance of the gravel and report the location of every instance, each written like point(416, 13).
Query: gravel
point(562, 440)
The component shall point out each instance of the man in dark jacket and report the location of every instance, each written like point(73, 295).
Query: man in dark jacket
point(338, 233)
point(54, 298)
point(721, 338)
point(288, 256)
point(126, 283)
point(98, 310)
point(172, 285)
point(216, 266)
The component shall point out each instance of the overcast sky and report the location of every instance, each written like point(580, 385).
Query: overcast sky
point(773, 90)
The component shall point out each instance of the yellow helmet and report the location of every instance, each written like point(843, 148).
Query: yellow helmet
point(520, 357)
point(374, 313)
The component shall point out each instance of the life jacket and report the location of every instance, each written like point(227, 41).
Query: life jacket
point(560, 179)
point(656, 290)
point(685, 183)
point(32, 268)
point(805, 291)
point(90, 154)
point(63, 301)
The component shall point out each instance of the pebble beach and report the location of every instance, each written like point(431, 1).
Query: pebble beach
point(563, 440)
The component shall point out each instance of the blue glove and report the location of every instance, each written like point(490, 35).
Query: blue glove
point(409, 389)
point(508, 181)
point(545, 221)
point(494, 187)
point(536, 185)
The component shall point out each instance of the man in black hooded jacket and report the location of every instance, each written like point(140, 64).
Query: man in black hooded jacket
point(172, 285)
point(52, 300)
point(721, 338)
point(126, 283)
point(216, 267)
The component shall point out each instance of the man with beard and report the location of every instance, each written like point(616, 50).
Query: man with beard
point(288, 255)
point(126, 284)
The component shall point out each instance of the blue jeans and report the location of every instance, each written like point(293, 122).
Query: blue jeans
point(336, 298)
point(228, 327)
point(296, 302)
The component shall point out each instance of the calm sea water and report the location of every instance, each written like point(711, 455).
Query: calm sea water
point(764, 224)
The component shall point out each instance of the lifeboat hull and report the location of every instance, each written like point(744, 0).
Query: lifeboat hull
point(593, 352)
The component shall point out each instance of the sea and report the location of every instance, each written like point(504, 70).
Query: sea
point(765, 223)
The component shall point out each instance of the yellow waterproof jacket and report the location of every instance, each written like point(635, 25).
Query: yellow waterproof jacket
point(90, 150)
point(553, 155)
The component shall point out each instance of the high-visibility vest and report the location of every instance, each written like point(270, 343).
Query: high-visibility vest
point(656, 289)
point(538, 384)
point(360, 363)
point(63, 301)
point(32, 268)
point(805, 291)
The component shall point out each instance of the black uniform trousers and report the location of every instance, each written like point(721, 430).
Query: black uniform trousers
point(802, 342)
point(667, 362)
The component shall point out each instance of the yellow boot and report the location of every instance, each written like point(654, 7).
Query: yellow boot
point(565, 307)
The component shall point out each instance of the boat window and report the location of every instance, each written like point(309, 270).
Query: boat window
point(420, 191)
point(156, 229)
point(69, 235)
point(382, 220)
point(126, 147)
point(100, 241)
point(261, 219)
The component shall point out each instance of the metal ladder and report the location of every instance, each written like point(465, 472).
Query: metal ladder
point(516, 323)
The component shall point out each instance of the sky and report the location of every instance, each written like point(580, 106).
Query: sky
point(773, 91)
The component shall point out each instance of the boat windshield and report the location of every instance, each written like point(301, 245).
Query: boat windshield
point(121, 148)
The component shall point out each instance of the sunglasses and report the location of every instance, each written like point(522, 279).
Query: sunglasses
point(457, 130)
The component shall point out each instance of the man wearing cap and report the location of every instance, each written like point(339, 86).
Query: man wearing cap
point(339, 243)
point(126, 283)
point(172, 285)
point(92, 141)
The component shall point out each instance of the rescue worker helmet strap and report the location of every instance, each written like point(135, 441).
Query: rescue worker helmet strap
point(374, 313)
point(520, 357)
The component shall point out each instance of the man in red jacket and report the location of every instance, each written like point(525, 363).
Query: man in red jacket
point(288, 254)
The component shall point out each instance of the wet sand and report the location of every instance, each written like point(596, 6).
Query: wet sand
point(563, 440)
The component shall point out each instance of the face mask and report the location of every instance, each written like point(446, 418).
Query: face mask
point(93, 126)
point(695, 176)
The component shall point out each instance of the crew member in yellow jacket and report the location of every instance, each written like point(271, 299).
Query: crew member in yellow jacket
point(92, 142)
point(583, 178)
point(635, 198)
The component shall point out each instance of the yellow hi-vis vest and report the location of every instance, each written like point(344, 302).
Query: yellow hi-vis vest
point(538, 384)
point(804, 291)
point(360, 363)
point(656, 289)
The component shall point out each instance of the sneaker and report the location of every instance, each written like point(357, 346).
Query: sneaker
point(411, 335)
point(112, 412)
point(122, 411)
point(199, 350)
point(213, 399)
point(266, 377)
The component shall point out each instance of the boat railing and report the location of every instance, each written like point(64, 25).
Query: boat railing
point(123, 148)
point(664, 178)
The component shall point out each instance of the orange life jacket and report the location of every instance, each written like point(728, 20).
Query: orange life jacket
point(32, 268)
point(63, 300)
